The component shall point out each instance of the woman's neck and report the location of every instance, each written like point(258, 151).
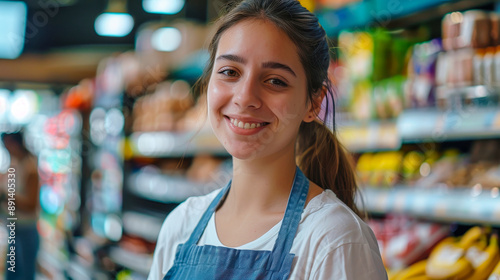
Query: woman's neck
point(262, 185)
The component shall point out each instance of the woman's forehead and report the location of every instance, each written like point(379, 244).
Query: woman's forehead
point(257, 36)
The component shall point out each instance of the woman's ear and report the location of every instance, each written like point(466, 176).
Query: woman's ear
point(315, 105)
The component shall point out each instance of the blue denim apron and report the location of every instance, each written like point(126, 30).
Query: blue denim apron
point(193, 262)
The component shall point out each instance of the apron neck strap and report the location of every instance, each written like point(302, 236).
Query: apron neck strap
point(291, 220)
point(202, 224)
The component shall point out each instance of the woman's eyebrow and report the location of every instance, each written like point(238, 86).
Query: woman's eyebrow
point(232, 57)
point(277, 65)
point(267, 64)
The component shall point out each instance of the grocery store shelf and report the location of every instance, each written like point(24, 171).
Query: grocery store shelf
point(173, 189)
point(433, 125)
point(175, 144)
point(142, 225)
point(137, 262)
point(466, 205)
point(369, 137)
point(348, 17)
point(390, 14)
point(413, 13)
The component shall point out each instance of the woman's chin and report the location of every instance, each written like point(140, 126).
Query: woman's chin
point(243, 152)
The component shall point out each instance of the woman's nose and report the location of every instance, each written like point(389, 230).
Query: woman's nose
point(247, 94)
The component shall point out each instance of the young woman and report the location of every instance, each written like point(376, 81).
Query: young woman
point(265, 82)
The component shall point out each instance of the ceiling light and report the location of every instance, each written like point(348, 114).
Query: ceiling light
point(169, 7)
point(12, 28)
point(166, 39)
point(115, 21)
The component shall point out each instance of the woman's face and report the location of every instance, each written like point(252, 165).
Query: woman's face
point(257, 91)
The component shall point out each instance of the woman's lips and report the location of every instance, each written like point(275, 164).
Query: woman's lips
point(245, 126)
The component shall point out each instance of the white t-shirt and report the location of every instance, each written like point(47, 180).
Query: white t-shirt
point(332, 242)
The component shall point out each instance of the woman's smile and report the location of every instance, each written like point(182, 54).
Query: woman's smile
point(245, 125)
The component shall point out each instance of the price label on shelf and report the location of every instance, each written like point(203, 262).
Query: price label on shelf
point(388, 136)
point(419, 204)
point(496, 121)
point(354, 138)
point(496, 213)
point(382, 199)
point(400, 201)
point(440, 209)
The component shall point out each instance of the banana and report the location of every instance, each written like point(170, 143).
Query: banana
point(416, 269)
point(484, 261)
point(392, 274)
point(496, 273)
point(448, 261)
point(420, 277)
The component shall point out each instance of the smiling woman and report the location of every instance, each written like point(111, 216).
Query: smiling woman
point(288, 212)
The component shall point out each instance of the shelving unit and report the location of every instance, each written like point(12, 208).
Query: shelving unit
point(435, 125)
point(170, 144)
point(464, 205)
point(371, 136)
point(137, 262)
point(390, 14)
point(171, 189)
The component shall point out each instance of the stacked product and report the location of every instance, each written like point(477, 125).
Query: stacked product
point(475, 255)
point(471, 61)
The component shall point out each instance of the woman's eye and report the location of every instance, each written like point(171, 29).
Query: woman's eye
point(229, 72)
point(277, 82)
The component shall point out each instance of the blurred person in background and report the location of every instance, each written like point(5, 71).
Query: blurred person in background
point(27, 239)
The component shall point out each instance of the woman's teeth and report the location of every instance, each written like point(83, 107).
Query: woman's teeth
point(244, 125)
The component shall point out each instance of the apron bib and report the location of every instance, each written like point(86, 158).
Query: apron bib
point(193, 262)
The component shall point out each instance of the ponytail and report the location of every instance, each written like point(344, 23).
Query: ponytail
point(324, 161)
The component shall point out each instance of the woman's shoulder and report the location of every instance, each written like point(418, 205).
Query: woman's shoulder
point(328, 220)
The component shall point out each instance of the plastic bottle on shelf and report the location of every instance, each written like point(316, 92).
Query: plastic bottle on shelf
point(464, 58)
point(496, 67)
point(475, 30)
point(478, 69)
point(495, 28)
point(488, 64)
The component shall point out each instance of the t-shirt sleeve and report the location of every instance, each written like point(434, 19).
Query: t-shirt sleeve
point(161, 255)
point(351, 261)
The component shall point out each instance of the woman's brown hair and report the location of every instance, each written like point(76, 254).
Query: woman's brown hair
point(319, 153)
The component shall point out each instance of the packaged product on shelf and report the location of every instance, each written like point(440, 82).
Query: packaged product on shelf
point(462, 66)
point(494, 28)
point(422, 76)
point(386, 169)
point(388, 97)
point(475, 30)
point(411, 165)
point(162, 110)
point(496, 68)
point(478, 67)
point(404, 241)
point(451, 29)
point(375, 64)
point(379, 100)
point(443, 69)
point(363, 166)
point(488, 66)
